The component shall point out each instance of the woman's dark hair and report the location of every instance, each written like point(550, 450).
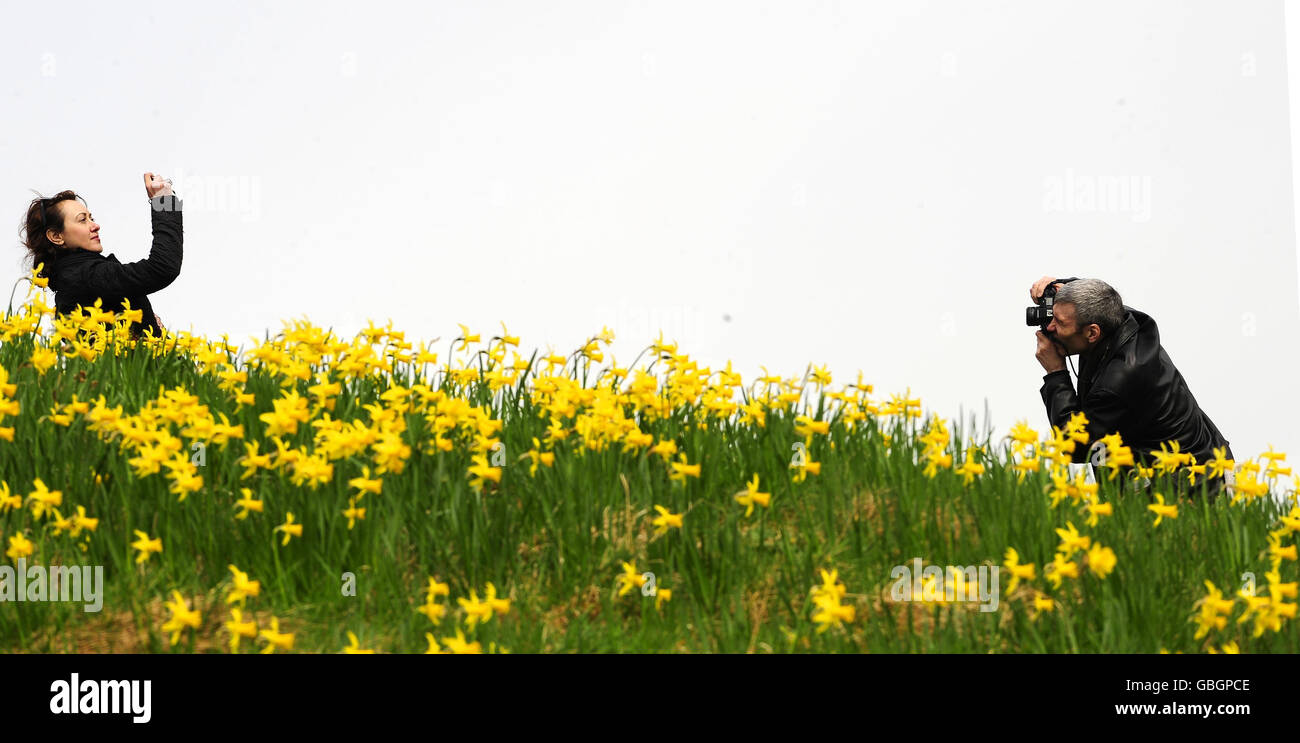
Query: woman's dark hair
point(44, 214)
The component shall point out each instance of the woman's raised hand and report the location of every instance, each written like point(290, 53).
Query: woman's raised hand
point(154, 185)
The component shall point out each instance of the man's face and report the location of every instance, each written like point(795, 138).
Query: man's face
point(1066, 331)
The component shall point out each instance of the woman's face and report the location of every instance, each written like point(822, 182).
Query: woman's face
point(80, 230)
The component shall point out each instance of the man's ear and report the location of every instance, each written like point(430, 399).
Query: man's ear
point(1094, 333)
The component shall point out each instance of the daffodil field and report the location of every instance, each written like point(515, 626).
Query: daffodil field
point(316, 494)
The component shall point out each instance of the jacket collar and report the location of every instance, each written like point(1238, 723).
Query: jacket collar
point(1100, 353)
point(75, 257)
point(70, 259)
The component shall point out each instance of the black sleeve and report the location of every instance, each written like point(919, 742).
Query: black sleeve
point(160, 269)
point(1105, 409)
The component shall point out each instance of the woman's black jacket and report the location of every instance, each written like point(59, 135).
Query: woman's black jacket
point(79, 277)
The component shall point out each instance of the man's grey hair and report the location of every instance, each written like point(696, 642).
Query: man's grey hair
point(1094, 301)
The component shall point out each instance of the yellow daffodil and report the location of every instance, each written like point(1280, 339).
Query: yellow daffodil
point(1277, 552)
point(1061, 566)
point(43, 359)
point(61, 524)
point(182, 617)
point(434, 648)
point(1290, 522)
point(805, 426)
point(662, 595)
point(751, 497)
point(434, 611)
point(1061, 487)
point(354, 646)
point(1161, 510)
point(936, 461)
point(1026, 466)
point(238, 628)
point(459, 646)
point(43, 500)
point(969, 469)
point(82, 521)
point(830, 614)
point(831, 586)
point(1022, 434)
point(466, 338)
point(1170, 457)
point(1018, 571)
point(1214, 611)
point(804, 468)
point(145, 546)
point(437, 589)
point(1101, 560)
point(666, 519)
point(1220, 464)
point(289, 528)
point(1071, 540)
point(1273, 456)
point(482, 472)
point(366, 485)
point(275, 638)
point(352, 513)
point(9, 500)
point(499, 605)
point(1042, 603)
point(665, 448)
point(475, 610)
point(826, 599)
point(682, 470)
point(247, 504)
point(1097, 509)
point(629, 578)
point(19, 547)
point(241, 587)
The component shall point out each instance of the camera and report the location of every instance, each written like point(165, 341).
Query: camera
point(1041, 314)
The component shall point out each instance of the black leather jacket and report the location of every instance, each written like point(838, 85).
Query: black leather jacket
point(1127, 383)
point(79, 277)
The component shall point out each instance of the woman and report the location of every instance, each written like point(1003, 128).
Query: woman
point(61, 233)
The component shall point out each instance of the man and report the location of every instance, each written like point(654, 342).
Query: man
point(1127, 383)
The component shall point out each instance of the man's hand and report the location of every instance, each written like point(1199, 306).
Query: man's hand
point(158, 319)
point(1049, 353)
point(1036, 290)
